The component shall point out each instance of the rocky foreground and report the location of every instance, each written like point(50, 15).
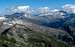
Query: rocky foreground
point(23, 35)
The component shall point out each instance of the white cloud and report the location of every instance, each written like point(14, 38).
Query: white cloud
point(69, 8)
point(21, 9)
point(54, 10)
point(43, 10)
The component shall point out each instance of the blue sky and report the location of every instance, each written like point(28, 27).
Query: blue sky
point(34, 3)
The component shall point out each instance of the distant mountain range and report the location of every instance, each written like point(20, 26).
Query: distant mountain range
point(56, 20)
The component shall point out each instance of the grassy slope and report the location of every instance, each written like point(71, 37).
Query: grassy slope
point(29, 38)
